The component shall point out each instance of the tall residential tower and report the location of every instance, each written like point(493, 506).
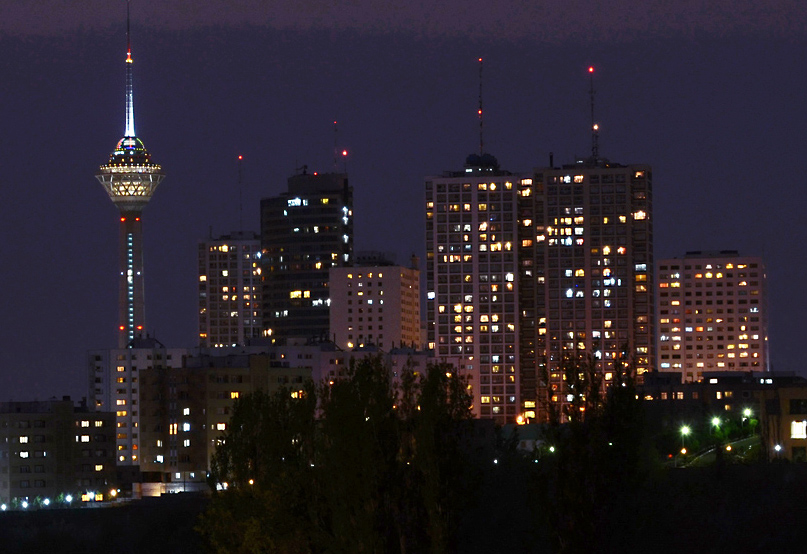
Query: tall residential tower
point(229, 289)
point(586, 276)
point(130, 178)
point(472, 290)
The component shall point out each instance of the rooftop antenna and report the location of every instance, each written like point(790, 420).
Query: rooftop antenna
point(240, 195)
point(595, 128)
point(335, 146)
point(130, 126)
point(479, 112)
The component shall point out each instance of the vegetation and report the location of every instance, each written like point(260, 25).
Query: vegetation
point(360, 465)
point(371, 465)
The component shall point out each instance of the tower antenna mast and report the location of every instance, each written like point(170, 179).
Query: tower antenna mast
point(595, 128)
point(240, 196)
point(479, 112)
point(335, 146)
point(130, 124)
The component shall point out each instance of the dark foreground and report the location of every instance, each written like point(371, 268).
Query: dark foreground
point(735, 509)
point(153, 526)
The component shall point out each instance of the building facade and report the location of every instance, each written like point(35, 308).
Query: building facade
point(304, 233)
point(375, 304)
point(114, 386)
point(586, 274)
point(53, 450)
point(471, 280)
point(712, 314)
point(229, 290)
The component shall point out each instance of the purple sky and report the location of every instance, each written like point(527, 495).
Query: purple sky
point(710, 93)
point(553, 21)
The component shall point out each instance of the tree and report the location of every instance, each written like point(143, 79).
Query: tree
point(600, 454)
point(359, 465)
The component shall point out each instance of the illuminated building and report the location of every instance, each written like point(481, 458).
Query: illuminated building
point(115, 386)
point(130, 178)
point(229, 289)
point(712, 314)
point(586, 275)
point(304, 233)
point(472, 289)
point(376, 303)
point(54, 448)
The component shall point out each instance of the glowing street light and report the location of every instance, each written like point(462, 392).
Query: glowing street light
point(716, 421)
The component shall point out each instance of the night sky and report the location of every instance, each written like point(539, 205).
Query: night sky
point(710, 93)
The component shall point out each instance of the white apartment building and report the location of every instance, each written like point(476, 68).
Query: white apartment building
point(472, 290)
point(375, 305)
point(712, 314)
point(229, 289)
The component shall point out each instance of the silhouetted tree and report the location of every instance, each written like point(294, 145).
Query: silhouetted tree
point(359, 465)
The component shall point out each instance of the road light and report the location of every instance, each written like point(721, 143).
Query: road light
point(747, 412)
point(716, 421)
point(685, 430)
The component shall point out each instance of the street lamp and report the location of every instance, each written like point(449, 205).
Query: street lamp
point(685, 430)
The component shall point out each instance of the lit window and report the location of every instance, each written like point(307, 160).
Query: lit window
point(798, 430)
point(221, 426)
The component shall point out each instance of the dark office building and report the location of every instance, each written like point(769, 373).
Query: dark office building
point(304, 232)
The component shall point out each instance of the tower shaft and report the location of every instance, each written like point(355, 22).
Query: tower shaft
point(131, 293)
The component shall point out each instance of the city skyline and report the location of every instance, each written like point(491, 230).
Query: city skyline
point(719, 119)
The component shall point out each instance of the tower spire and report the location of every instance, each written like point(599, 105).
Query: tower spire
point(595, 128)
point(130, 125)
point(481, 120)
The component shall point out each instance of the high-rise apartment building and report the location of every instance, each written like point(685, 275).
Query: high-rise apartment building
point(471, 274)
point(229, 289)
point(130, 178)
point(114, 386)
point(712, 314)
point(375, 304)
point(304, 233)
point(585, 249)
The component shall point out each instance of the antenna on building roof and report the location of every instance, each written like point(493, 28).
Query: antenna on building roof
point(595, 128)
point(479, 113)
point(335, 146)
point(240, 196)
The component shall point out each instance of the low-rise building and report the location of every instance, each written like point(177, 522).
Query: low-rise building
point(55, 448)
